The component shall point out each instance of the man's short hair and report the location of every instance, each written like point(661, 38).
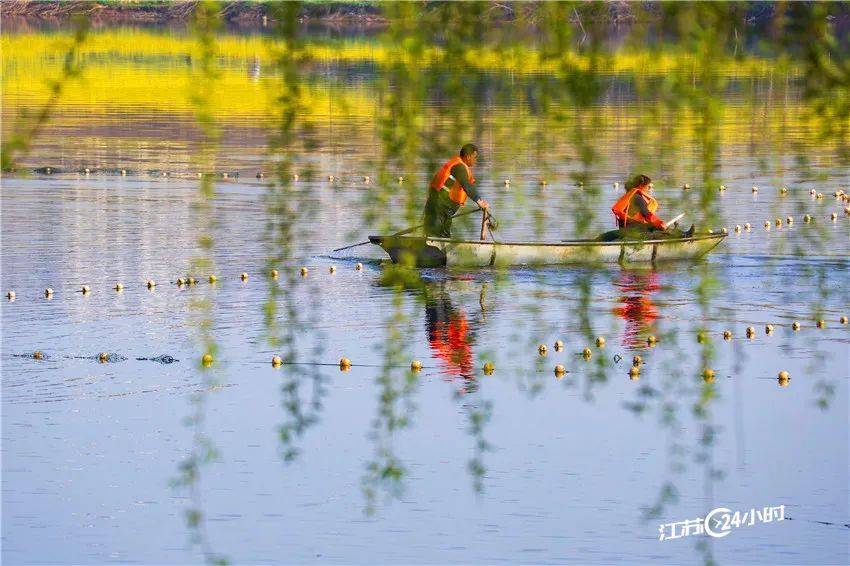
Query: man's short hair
point(637, 181)
point(468, 149)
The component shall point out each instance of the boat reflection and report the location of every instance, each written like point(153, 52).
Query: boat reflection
point(636, 306)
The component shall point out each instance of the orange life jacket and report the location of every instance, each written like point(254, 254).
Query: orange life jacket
point(456, 192)
point(621, 208)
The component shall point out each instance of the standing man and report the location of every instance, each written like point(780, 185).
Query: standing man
point(448, 191)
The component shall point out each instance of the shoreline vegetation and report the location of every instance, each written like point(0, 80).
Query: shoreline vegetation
point(365, 13)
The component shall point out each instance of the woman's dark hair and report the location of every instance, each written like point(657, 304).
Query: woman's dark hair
point(637, 181)
point(468, 149)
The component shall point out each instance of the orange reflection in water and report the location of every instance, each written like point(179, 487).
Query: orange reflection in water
point(636, 306)
point(450, 337)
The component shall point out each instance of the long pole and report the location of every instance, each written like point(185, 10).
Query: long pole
point(405, 231)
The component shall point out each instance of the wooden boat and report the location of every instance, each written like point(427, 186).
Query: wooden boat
point(437, 252)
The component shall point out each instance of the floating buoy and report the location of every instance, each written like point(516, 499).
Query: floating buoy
point(260, 175)
point(634, 373)
point(150, 283)
point(807, 218)
point(37, 355)
point(359, 267)
point(48, 292)
point(332, 269)
point(304, 272)
point(276, 361)
point(586, 353)
point(789, 220)
point(843, 320)
point(85, 290)
point(755, 189)
point(207, 360)
point(488, 368)
point(330, 178)
point(344, 363)
point(600, 342)
point(637, 360)
point(651, 340)
point(783, 191)
point(727, 334)
point(747, 227)
point(180, 281)
point(795, 326)
point(768, 329)
point(708, 375)
point(541, 349)
point(244, 276)
point(123, 172)
point(212, 279)
point(783, 382)
point(686, 187)
point(821, 323)
point(118, 287)
point(415, 365)
point(751, 331)
point(737, 228)
point(722, 187)
point(559, 345)
point(103, 357)
point(274, 273)
point(834, 216)
point(401, 179)
point(784, 375)
point(560, 370)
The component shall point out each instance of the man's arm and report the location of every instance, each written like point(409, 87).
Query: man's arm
point(644, 210)
point(459, 173)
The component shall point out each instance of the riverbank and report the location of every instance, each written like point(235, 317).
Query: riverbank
point(366, 12)
point(157, 12)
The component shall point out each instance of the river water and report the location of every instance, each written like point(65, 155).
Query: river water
point(136, 460)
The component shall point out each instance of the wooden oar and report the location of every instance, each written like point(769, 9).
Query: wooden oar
point(405, 231)
point(674, 220)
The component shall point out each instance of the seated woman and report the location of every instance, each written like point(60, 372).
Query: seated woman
point(635, 215)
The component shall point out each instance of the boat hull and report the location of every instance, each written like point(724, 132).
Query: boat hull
point(436, 252)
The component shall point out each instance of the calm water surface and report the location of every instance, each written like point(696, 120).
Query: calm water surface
point(377, 464)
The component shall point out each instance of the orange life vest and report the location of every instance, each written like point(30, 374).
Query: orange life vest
point(456, 192)
point(621, 208)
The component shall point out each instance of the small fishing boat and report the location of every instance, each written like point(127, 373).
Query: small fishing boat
point(437, 252)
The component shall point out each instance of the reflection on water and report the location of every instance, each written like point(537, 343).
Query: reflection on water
point(284, 129)
point(636, 307)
